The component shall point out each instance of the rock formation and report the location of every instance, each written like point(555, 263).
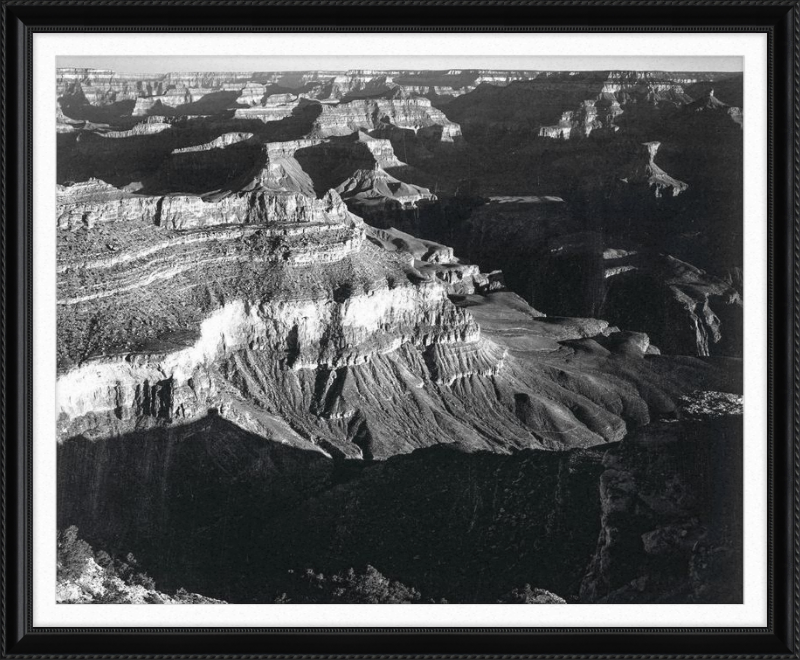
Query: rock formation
point(272, 108)
point(150, 126)
point(644, 171)
point(224, 140)
point(85, 577)
point(703, 313)
point(377, 187)
point(435, 260)
point(370, 114)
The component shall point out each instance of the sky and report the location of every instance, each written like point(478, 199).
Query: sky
point(166, 64)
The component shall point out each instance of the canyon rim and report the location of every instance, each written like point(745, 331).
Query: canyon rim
point(399, 336)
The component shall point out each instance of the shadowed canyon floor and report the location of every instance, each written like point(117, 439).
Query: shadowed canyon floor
point(651, 519)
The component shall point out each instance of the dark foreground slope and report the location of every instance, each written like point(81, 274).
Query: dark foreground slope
point(217, 510)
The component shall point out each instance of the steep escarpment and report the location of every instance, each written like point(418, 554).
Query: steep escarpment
point(690, 311)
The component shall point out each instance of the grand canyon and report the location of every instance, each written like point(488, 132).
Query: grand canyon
point(411, 336)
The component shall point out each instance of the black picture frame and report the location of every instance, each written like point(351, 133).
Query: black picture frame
point(779, 19)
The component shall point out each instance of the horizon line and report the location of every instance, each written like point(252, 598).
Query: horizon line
point(149, 64)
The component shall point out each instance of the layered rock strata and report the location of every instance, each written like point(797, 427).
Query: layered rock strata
point(269, 307)
point(370, 114)
point(272, 108)
point(88, 204)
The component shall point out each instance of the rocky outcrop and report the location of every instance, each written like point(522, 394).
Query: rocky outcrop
point(149, 126)
point(376, 187)
point(282, 174)
point(312, 334)
point(185, 254)
point(370, 114)
point(289, 148)
point(84, 577)
point(393, 240)
point(277, 193)
point(594, 116)
point(650, 86)
point(433, 260)
point(318, 327)
point(252, 94)
point(171, 98)
point(85, 204)
point(573, 123)
point(332, 161)
point(644, 171)
point(382, 150)
point(224, 140)
point(272, 108)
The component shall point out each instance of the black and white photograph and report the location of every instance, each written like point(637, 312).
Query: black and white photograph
point(399, 335)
